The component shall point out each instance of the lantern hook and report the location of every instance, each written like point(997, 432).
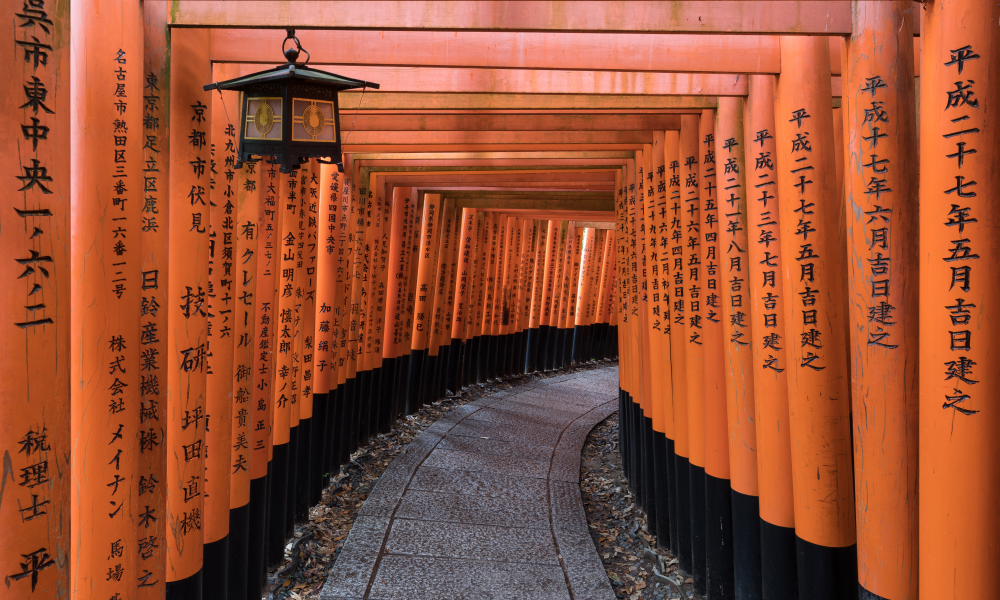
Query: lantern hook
point(292, 54)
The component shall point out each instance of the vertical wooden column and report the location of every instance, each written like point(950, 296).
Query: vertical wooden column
point(565, 333)
point(659, 323)
point(267, 268)
point(244, 275)
point(153, 304)
point(621, 224)
point(105, 172)
point(380, 350)
point(604, 280)
point(356, 232)
point(438, 291)
point(734, 267)
point(523, 309)
point(448, 312)
point(482, 293)
point(395, 291)
point(545, 341)
point(308, 491)
point(366, 323)
point(770, 366)
point(345, 235)
point(819, 405)
point(38, 421)
point(881, 211)
point(427, 258)
point(558, 262)
point(463, 283)
point(412, 262)
point(508, 293)
point(188, 286)
point(537, 285)
point(471, 353)
point(647, 413)
point(283, 394)
point(497, 222)
point(574, 292)
point(958, 295)
point(219, 307)
point(324, 339)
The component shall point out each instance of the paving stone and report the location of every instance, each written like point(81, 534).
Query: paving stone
point(505, 413)
point(495, 447)
point(535, 436)
point(567, 506)
point(480, 483)
point(419, 578)
point(510, 465)
point(353, 568)
point(465, 508)
point(478, 542)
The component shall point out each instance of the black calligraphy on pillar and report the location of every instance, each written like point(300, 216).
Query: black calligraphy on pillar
point(767, 237)
point(800, 171)
point(694, 263)
point(735, 218)
point(963, 111)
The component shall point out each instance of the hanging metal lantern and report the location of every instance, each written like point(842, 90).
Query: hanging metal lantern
point(290, 112)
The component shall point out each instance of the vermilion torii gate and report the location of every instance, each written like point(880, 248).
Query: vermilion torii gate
point(774, 213)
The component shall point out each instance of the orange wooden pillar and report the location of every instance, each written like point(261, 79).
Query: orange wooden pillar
point(187, 308)
point(657, 240)
point(537, 290)
point(412, 263)
point(603, 306)
point(734, 298)
point(430, 225)
point(882, 210)
point(37, 417)
point(153, 303)
point(482, 296)
point(497, 225)
point(523, 307)
point(105, 170)
point(352, 310)
point(264, 322)
point(822, 478)
point(245, 251)
point(466, 227)
point(439, 285)
point(692, 556)
point(472, 307)
point(502, 319)
point(395, 290)
point(324, 327)
point(404, 304)
point(308, 491)
point(565, 333)
point(574, 292)
point(769, 348)
point(959, 445)
point(219, 330)
point(558, 262)
point(545, 338)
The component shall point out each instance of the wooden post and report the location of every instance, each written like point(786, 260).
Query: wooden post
point(38, 420)
point(220, 306)
point(308, 492)
point(496, 222)
point(958, 294)
point(382, 383)
point(817, 379)
point(429, 232)
point(153, 304)
point(737, 338)
point(574, 294)
point(696, 275)
point(264, 319)
point(523, 307)
point(882, 209)
point(779, 577)
point(680, 532)
point(438, 293)
point(472, 306)
point(396, 288)
point(463, 283)
point(538, 282)
point(188, 286)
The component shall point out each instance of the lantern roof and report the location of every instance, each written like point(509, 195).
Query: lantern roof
point(292, 71)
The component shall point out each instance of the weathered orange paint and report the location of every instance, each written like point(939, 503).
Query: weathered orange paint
point(819, 404)
point(658, 281)
point(187, 289)
point(691, 214)
point(734, 264)
point(883, 367)
point(958, 479)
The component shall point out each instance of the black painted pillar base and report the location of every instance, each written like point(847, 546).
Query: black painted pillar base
point(698, 547)
point(746, 546)
point(779, 571)
point(277, 510)
point(216, 567)
point(683, 547)
point(188, 588)
point(292, 475)
point(827, 573)
point(671, 541)
point(387, 384)
point(452, 379)
point(719, 538)
point(304, 481)
point(531, 349)
point(649, 487)
point(413, 381)
point(239, 550)
point(374, 401)
point(257, 537)
point(661, 477)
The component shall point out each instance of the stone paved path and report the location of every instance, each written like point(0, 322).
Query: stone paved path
point(485, 504)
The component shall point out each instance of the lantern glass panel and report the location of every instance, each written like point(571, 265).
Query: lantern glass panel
point(313, 121)
point(263, 118)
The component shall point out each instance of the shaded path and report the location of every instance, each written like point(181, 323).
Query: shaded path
point(486, 503)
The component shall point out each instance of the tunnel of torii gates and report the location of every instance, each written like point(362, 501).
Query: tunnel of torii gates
point(728, 196)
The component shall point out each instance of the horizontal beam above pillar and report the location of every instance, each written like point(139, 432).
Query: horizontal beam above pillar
point(428, 138)
point(580, 216)
point(376, 148)
point(743, 17)
point(529, 122)
point(542, 102)
point(540, 202)
point(591, 51)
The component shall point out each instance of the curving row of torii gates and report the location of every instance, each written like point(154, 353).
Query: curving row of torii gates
point(800, 296)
